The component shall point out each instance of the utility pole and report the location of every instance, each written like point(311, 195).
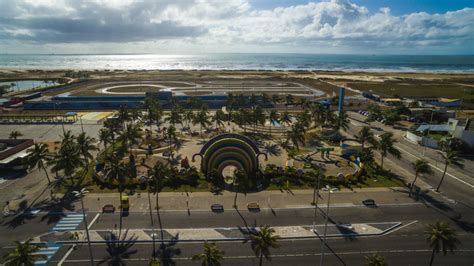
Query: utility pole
point(81, 194)
point(325, 226)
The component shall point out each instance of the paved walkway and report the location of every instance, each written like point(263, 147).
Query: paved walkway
point(265, 199)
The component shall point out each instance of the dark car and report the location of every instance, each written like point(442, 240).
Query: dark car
point(369, 203)
point(217, 208)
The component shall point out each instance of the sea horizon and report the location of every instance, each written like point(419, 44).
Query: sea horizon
point(242, 61)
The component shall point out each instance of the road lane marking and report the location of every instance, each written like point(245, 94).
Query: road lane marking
point(93, 220)
point(435, 167)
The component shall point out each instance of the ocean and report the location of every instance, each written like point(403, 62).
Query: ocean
point(369, 63)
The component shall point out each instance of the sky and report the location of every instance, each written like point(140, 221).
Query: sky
point(237, 26)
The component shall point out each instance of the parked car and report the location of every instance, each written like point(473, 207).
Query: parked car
point(253, 206)
point(217, 207)
point(369, 203)
point(109, 208)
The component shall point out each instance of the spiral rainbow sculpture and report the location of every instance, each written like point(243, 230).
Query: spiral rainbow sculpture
point(229, 149)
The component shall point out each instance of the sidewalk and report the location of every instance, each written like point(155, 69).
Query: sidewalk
point(266, 199)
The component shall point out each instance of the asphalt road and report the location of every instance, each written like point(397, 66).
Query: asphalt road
point(399, 249)
point(452, 188)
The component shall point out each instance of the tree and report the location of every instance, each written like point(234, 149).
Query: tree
point(175, 115)
point(188, 116)
point(240, 183)
point(375, 260)
point(342, 121)
point(450, 157)
point(86, 145)
point(172, 137)
point(68, 157)
point(39, 157)
point(116, 172)
point(153, 111)
point(296, 135)
point(211, 256)
point(274, 118)
point(123, 115)
point(202, 118)
point(319, 113)
point(276, 99)
point(15, 134)
point(420, 167)
point(219, 118)
point(258, 117)
point(286, 118)
point(157, 176)
point(441, 237)
point(105, 136)
point(23, 254)
point(365, 135)
point(289, 100)
point(262, 240)
point(386, 146)
point(131, 135)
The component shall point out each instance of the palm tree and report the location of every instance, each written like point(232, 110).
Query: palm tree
point(116, 172)
point(105, 136)
point(157, 176)
point(188, 116)
point(24, 254)
point(262, 240)
point(276, 99)
point(131, 135)
point(123, 115)
point(420, 167)
point(258, 117)
point(202, 118)
point(318, 112)
point(38, 157)
point(296, 135)
point(219, 118)
point(211, 256)
point(274, 117)
point(441, 237)
point(304, 118)
point(365, 135)
point(174, 116)
point(375, 260)
point(86, 145)
point(172, 138)
point(240, 184)
point(342, 121)
point(271, 149)
point(450, 157)
point(289, 100)
point(15, 134)
point(153, 110)
point(286, 118)
point(68, 157)
point(386, 145)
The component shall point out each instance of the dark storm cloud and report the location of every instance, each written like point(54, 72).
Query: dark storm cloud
point(65, 30)
point(88, 22)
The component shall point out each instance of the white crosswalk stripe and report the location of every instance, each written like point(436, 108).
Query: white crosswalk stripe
point(48, 251)
point(68, 223)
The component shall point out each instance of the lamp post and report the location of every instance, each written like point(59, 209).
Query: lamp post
point(80, 194)
point(325, 226)
point(315, 201)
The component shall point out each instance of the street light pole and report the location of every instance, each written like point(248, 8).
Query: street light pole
point(315, 201)
point(81, 194)
point(325, 226)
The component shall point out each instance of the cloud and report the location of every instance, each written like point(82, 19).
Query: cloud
point(231, 23)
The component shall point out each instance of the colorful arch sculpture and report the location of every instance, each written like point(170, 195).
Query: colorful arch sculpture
point(229, 149)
